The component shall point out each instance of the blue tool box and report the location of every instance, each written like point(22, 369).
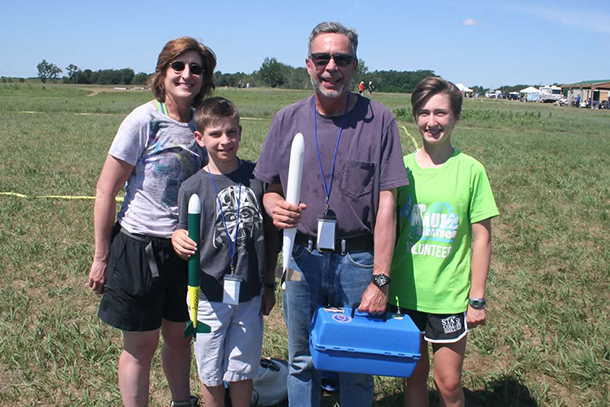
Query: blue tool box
point(343, 341)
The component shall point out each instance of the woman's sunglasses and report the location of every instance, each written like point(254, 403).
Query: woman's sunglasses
point(178, 66)
point(321, 59)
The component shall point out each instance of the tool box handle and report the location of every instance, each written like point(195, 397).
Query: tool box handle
point(355, 306)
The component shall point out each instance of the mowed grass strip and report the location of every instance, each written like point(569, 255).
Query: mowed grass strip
point(546, 341)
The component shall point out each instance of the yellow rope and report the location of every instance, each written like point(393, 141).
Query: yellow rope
point(412, 138)
point(119, 199)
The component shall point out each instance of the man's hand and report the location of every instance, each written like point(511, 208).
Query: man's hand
point(374, 300)
point(97, 276)
point(475, 317)
point(268, 301)
point(184, 246)
point(286, 215)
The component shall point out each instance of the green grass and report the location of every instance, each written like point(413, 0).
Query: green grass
point(546, 341)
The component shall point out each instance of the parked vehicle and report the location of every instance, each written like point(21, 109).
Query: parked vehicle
point(550, 94)
point(493, 94)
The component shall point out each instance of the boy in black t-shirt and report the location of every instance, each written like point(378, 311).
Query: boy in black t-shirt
point(237, 257)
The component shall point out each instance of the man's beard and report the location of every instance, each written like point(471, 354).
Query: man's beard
point(317, 84)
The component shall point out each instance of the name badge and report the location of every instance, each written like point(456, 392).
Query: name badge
point(326, 233)
point(231, 288)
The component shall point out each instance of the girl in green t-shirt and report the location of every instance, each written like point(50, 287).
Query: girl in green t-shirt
point(443, 250)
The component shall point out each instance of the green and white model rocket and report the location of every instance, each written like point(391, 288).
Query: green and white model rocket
point(194, 327)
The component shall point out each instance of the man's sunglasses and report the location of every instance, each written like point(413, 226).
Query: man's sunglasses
point(178, 66)
point(321, 59)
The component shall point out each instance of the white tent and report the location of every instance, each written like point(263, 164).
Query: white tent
point(530, 89)
point(463, 88)
point(531, 94)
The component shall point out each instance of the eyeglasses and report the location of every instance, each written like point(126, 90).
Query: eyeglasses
point(178, 66)
point(321, 59)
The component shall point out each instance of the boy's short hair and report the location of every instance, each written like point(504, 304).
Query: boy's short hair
point(433, 86)
point(213, 109)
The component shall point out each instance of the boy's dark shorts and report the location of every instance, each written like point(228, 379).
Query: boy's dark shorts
point(133, 299)
point(437, 328)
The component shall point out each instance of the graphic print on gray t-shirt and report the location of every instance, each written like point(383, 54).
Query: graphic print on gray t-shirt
point(250, 218)
point(214, 253)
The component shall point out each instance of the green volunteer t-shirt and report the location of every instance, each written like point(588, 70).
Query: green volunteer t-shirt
point(431, 263)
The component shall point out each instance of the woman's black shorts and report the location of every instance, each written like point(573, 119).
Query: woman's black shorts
point(146, 282)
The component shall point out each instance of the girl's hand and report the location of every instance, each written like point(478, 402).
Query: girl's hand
point(475, 317)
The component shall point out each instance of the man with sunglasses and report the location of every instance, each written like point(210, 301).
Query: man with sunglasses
point(345, 221)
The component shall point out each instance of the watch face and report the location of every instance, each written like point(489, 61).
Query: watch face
point(380, 280)
point(477, 304)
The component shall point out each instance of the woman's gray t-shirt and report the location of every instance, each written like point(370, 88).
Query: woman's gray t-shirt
point(164, 153)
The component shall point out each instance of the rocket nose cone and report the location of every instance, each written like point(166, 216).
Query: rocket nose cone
point(298, 142)
point(194, 204)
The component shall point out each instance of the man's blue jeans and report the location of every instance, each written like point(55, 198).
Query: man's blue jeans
point(327, 279)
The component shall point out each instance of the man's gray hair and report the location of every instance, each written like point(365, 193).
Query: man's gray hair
point(333, 27)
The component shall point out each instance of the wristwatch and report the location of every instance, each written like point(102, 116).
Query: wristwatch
point(477, 303)
point(381, 280)
point(271, 286)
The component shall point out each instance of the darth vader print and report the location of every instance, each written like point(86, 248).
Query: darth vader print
point(249, 223)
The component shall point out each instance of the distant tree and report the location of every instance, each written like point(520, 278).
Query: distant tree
point(72, 70)
point(127, 75)
point(84, 77)
point(141, 78)
point(47, 70)
point(297, 78)
point(272, 73)
point(479, 89)
point(505, 89)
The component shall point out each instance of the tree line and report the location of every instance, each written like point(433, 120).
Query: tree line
point(272, 73)
point(48, 71)
point(275, 74)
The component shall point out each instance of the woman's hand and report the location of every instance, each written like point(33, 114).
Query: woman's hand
point(97, 276)
point(184, 246)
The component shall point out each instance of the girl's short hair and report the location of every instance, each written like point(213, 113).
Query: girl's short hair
point(171, 51)
point(435, 85)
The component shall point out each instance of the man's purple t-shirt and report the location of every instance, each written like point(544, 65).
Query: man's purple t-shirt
point(369, 160)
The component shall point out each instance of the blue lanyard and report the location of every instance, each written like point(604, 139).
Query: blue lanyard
point(232, 244)
point(327, 188)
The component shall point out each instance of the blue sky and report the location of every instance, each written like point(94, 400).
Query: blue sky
point(473, 42)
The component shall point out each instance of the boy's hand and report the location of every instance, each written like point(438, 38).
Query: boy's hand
point(268, 301)
point(184, 246)
point(287, 215)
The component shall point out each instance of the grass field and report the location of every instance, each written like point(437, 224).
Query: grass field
point(547, 338)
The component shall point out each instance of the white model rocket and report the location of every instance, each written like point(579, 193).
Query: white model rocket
point(293, 196)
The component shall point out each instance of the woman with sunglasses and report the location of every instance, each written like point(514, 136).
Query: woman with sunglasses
point(134, 265)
